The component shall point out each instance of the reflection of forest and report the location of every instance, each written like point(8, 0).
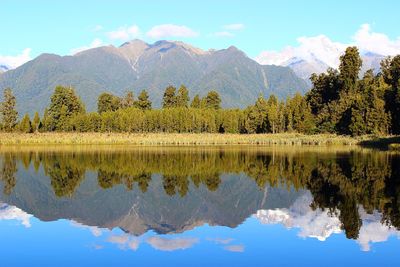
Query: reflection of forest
point(339, 182)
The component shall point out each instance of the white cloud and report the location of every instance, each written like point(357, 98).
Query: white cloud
point(234, 27)
point(375, 42)
point(164, 244)
point(13, 62)
point(125, 33)
point(8, 212)
point(235, 248)
point(170, 30)
point(95, 43)
point(310, 48)
point(322, 49)
point(224, 34)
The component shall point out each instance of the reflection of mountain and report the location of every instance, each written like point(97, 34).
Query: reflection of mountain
point(8, 212)
point(171, 190)
point(235, 200)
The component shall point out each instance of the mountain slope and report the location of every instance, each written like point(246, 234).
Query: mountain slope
point(137, 65)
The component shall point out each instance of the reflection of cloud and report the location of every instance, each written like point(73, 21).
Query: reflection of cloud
point(8, 212)
point(96, 231)
point(235, 248)
point(223, 241)
point(164, 244)
point(373, 231)
point(124, 241)
point(319, 224)
point(118, 239)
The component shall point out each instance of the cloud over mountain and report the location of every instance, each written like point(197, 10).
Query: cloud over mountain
point(12, 62)
point(317, 53)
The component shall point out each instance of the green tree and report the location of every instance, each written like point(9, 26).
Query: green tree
point(325, 89)
point(128, 100)
point(9, 114)
point(212, 100)
point(144, 102)
point(390, 68)
point(272, 113)
point(108, 102)
point(36, 124)
point(63, 105)
point(25, 125)
point(169, 98)
point(182, 99)
point(196, 102)
point(350, 65)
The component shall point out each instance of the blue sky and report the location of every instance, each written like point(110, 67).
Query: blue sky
point(62, 27)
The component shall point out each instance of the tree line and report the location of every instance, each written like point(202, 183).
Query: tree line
point(339, 102)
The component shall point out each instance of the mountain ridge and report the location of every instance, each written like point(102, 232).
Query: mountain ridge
point(137, 65)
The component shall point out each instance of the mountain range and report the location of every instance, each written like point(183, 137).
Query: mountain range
point(316, 55)
point(304, 68)
point(3, 68)
point(137, 65)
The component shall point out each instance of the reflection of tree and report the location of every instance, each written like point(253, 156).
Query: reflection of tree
point(340, 183)
point(64, 174)
point(108, 179)
point(8, 170)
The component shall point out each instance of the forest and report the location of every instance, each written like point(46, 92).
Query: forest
point(340, 101)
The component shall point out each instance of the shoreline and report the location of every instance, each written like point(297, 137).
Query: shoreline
point(189, 139)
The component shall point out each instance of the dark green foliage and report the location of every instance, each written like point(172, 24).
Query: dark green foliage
point(108, 102)
point(344, 104)
point(391, 74)
point(9, 114)
point(144, 102)
point(325, 89)
point(350, 65)
point(64, 104)
point(25, 125)
point(298, 115)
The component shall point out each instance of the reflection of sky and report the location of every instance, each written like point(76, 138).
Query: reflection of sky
point(284, 240)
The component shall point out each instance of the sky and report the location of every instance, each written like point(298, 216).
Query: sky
point(264, 30)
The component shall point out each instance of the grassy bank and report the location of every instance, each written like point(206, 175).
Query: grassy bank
point(159, 139)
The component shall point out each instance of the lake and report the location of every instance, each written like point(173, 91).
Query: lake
point(199, 206)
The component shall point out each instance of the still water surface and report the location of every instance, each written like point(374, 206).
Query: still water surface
point(232, 206)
